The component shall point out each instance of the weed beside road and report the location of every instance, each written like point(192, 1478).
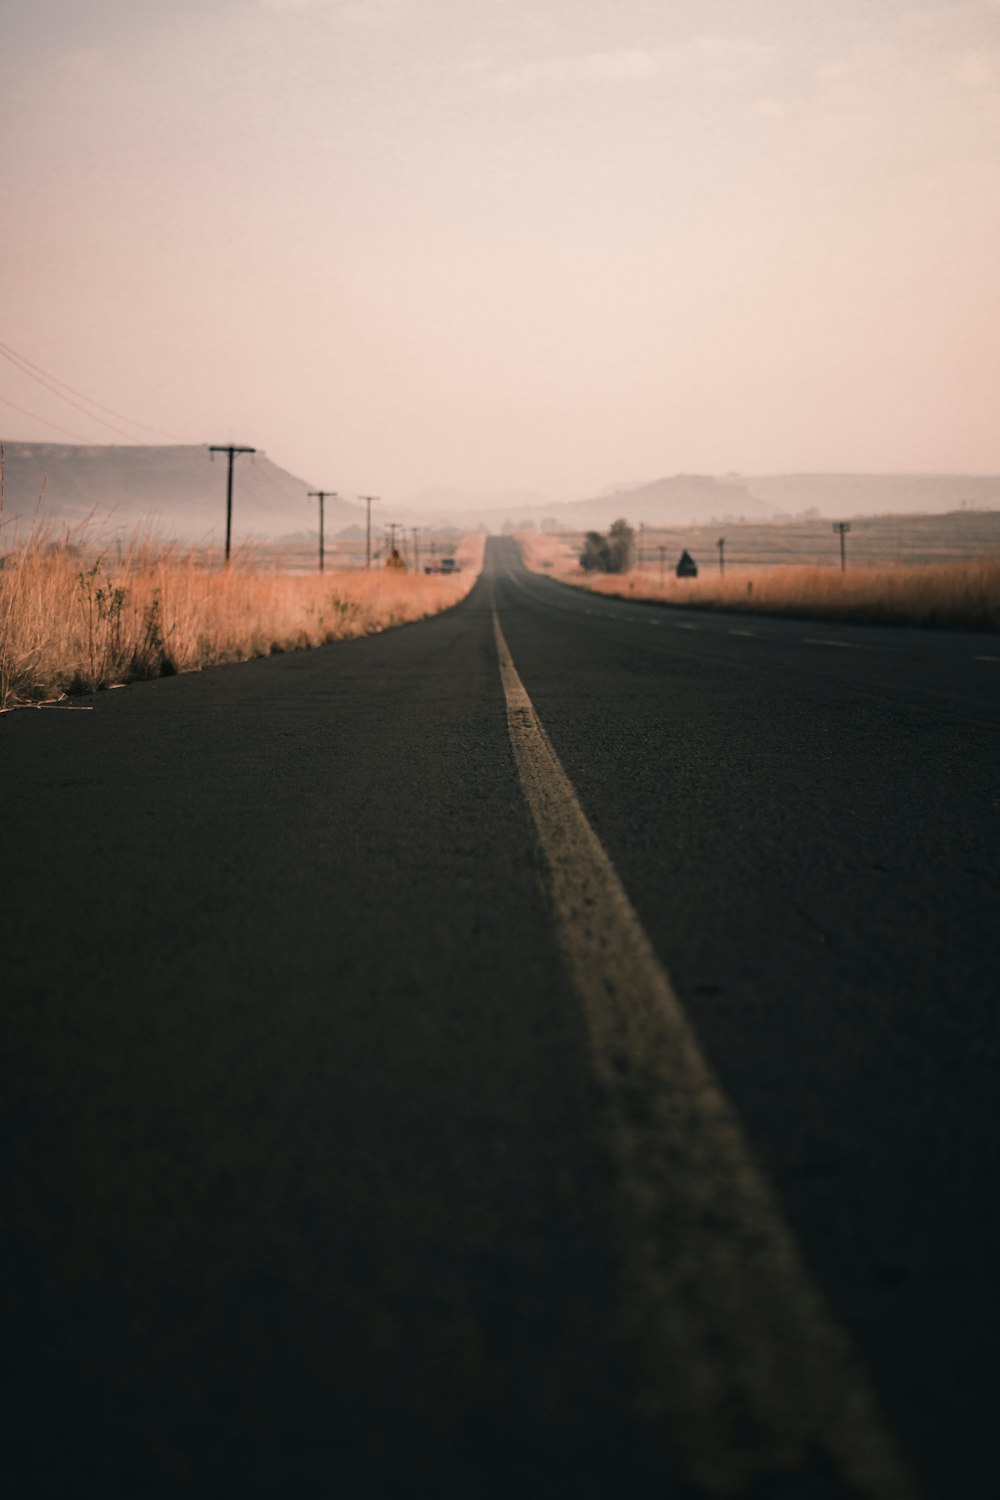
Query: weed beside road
point(964, 595)
point(73, 618)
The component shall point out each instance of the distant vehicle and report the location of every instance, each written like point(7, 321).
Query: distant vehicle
point(449, 565)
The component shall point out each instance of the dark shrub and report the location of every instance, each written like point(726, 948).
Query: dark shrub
point(611, 553)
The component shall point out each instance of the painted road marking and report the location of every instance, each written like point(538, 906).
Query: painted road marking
point(741, 1356)
point(750, 634)
point(986, 658)
point(812, 640)
point(65, 708)
point(681, 625)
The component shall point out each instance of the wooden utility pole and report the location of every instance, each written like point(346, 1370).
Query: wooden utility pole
point(321, 495)
point(232, 451)
point(721, 544)
point(416, 549)
point(843, 527)
point(368, 530)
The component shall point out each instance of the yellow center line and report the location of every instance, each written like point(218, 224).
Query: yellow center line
point(740, 1356)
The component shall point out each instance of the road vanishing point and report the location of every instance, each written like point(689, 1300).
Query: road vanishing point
point(548, 1050)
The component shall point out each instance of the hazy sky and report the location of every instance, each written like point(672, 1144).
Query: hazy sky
point(533, 244)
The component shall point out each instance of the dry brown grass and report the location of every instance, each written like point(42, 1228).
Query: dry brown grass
point(965, 595)
point(73, 618)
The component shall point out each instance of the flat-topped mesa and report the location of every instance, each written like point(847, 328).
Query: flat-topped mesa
point(175, 487)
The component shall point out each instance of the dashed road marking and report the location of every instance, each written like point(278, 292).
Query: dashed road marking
point(813, 640)
point(750, 634)
point(741, 1356)
point(986, 658)
point(683, 625)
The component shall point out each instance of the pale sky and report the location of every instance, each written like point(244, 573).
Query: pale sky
point(543, 245)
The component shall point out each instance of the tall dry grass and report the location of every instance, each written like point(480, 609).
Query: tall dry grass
point(74, 618)
point(963, 595)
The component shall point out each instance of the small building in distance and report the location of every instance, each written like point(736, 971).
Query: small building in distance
point(686, 566)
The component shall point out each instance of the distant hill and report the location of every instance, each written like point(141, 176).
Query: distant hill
point(680, 500)
point(664, 502)
point(695, 499)
point(178, 488)
point(183, 493)
point(669, 502)
point(875, 494)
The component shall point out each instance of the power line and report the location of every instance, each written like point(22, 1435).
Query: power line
point(91, 416)
point(44, 420)
point(28, 367)
point(32, 368)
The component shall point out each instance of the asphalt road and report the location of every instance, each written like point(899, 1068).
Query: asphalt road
point(315, 1174)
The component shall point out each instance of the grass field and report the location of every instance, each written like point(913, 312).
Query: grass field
point(958, 536)
point(73, 618)
point(963, 594)
point(299, 554)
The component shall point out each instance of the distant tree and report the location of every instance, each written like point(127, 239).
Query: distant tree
point(596, 556)
point(608, 554)
point(621, 546)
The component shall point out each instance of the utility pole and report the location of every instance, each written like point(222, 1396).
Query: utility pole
point(416, 549)
point(392, 527)
point(843, 527)
point(232, 451)
point(721, 544)
point(663, 553)
point(368, 531)
point(321, 495)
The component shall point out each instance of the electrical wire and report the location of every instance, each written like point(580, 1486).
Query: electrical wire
point(28, 367)
point(91, 416)
point(44, 421)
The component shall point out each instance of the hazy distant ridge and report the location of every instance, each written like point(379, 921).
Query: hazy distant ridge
point(665, 502)
point(876, 494)
point(693, 499)
point(179, 488)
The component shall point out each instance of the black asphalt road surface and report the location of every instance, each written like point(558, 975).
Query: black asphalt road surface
point(309, 1193)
